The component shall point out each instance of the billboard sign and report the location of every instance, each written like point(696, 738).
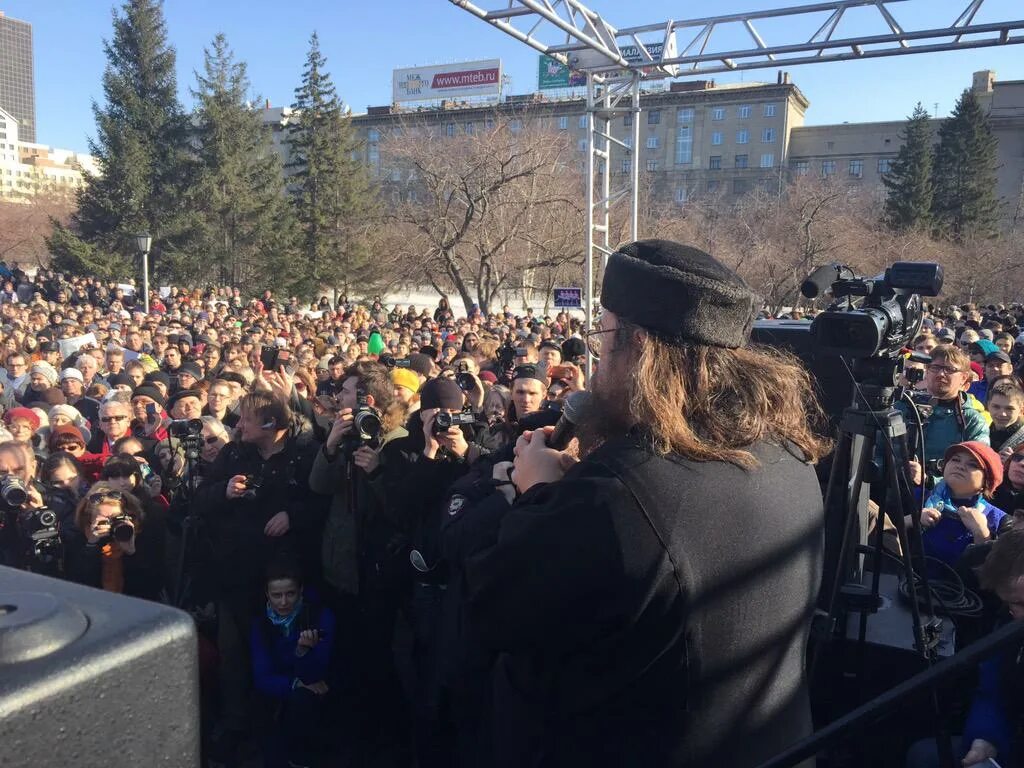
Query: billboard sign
point(473, 78)
point(553, 74)
point(631, 53)
point(569, 298)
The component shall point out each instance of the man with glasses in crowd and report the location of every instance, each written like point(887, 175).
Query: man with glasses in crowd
point(950, 418)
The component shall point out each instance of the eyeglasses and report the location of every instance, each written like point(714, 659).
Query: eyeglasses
point(70, 447)
point(593, 341)
point(108, 419)
point(96, 498)
point(945, 370)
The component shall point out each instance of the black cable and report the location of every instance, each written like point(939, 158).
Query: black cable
point(952, 595)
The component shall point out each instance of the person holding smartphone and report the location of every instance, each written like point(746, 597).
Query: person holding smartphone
point(291, 645)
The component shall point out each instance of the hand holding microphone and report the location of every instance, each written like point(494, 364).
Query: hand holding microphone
point(540, 454)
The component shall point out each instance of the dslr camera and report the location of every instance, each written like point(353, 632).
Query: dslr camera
point(463, 377)
point(367, 426)
point(506, 356)
point(13, 492)
point(42, 538)
point(445, 421)
point(390, 361)
point(122, 528)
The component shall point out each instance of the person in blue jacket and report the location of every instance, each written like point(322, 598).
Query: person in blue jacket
point(291, 650)
point(958, 512)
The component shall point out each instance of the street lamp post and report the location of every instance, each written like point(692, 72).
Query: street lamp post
point(143, 242)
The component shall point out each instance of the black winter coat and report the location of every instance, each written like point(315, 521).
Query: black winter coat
point(243, 550)
point(650, 611)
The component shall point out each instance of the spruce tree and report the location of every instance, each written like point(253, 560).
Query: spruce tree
point(244, 228)
point(331, 190)
point(965, 205)
point(908, 184)
point(141, 147)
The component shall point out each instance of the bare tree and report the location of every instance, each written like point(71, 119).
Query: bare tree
point(25, 224)
point(477, 207)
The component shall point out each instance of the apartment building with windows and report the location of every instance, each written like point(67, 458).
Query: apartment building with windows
point(28, 169)
point(861, 153)
point(696, 137)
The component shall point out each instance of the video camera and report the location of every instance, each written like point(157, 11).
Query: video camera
point(445, 421)
point(182, 428)
point(887, 318)
point(506, 355)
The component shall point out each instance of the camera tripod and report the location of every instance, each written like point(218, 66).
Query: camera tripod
point(875, 426)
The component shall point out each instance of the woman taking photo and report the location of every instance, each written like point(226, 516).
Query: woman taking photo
point(291, 650)
point(114, 548)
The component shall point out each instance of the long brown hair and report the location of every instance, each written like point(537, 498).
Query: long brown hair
point(711, 404)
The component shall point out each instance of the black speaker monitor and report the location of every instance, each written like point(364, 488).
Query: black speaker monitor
point(91, 678)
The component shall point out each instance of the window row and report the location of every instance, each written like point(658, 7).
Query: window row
point(854, 168)
point(741, 161)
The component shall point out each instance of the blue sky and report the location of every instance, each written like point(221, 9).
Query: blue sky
point(364, 41)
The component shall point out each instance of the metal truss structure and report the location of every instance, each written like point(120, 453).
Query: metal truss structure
point(617, 60)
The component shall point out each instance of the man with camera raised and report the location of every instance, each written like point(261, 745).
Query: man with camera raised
point(24, 502)
point(256, 503)
point(364, 550)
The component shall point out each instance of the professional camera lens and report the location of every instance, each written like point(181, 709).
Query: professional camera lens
point(13, 491)
point(121, 529)
point(368, 425)
point(465, 381)
point(47, 518)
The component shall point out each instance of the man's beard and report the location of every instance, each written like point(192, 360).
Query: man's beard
point(608, 413)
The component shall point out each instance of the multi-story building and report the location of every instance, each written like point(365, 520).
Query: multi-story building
point(699, 138)
point(696, 137)
point(863, 152)
point(17, 82)
point(28, 169)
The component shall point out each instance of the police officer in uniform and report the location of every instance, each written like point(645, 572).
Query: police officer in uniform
point(650, 604)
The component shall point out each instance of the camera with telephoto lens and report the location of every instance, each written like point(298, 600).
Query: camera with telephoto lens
point(13, 492)
point(121, 527)
point(182, 428)
point(465, 379)
point(390, 361)
point(444, 421)
point(41, 535)
point(367, 426)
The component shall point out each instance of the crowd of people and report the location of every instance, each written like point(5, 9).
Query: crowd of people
point(313, 482)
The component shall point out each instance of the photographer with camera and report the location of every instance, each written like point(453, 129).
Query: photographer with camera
point(30, 513)
point(365, 548)
point(256, 503)
point(114, 546)
point(439, 453)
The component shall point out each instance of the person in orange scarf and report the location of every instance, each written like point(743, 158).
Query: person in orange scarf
point(112, 549)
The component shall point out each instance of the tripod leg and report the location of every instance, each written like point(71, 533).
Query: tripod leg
point(925, 648)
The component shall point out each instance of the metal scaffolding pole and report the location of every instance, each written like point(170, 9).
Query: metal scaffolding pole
point(617, 60)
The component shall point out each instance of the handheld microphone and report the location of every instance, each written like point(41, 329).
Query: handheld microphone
point(574, 411)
